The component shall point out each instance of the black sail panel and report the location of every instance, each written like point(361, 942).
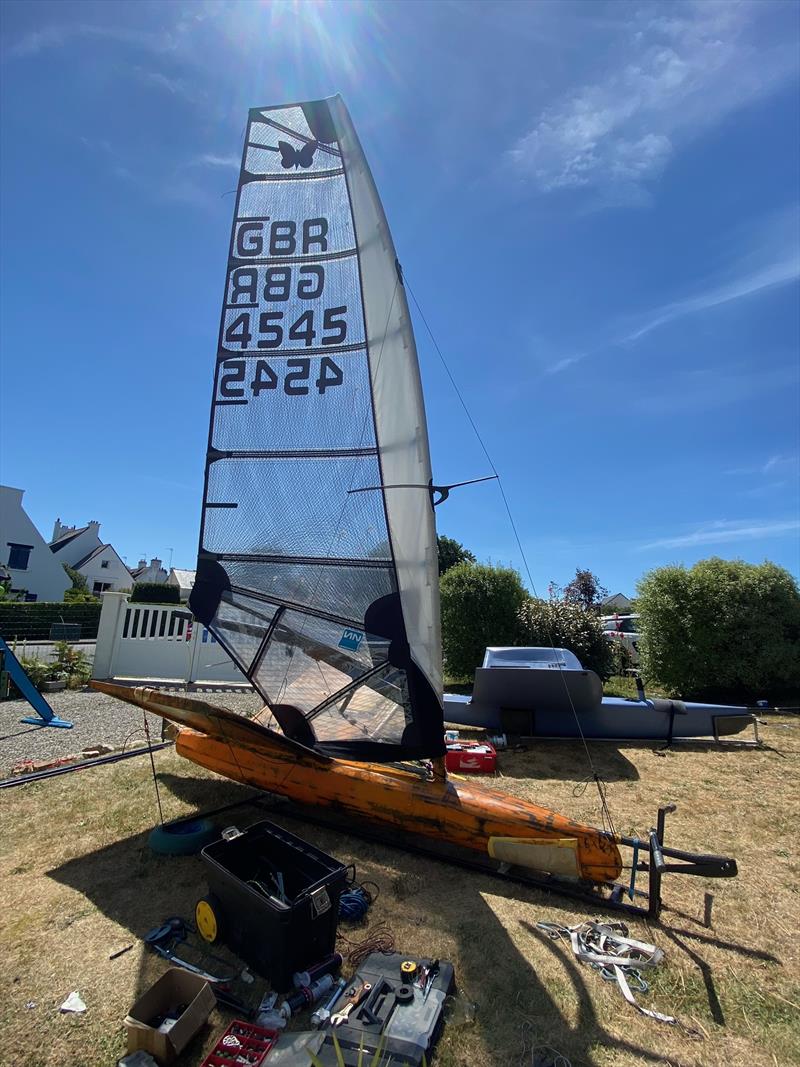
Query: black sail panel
point(326, 597)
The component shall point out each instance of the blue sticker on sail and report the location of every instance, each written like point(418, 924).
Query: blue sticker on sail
point(351, 639)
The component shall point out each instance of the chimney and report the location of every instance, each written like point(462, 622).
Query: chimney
point(61, 531)
point(155, 562)
point(93, 526)
point(142, 563)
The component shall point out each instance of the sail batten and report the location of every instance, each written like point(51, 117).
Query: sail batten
point(326, 597)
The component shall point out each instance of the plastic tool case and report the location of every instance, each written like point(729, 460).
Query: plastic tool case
point(404, 1029)
point(276, 898)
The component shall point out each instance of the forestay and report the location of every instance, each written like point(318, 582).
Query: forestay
point(326, 598)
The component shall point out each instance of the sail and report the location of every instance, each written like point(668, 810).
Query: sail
point(317, 576)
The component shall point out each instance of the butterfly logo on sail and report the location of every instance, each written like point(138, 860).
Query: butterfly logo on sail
point(297, 157)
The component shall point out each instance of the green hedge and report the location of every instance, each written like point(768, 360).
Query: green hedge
point(546, 622)
point(479, 608)
point(32, 622)
point(155, 593)
point(721, 629)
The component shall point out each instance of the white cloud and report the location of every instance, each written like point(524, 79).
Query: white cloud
point(209, 159)
point(747, 284)
point(155, 79)
point(772, 465)
point(725, 531)
point(59, 35)
point(757, 259)
point(673, 75)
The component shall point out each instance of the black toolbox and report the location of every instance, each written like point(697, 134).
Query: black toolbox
point(275, 897)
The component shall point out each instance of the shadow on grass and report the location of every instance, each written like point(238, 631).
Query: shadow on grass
point(564, 760)
point(138, 890)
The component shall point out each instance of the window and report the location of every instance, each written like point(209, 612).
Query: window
point(104, 563)
point(30, 598)
point(18, 556)
point(100, 587)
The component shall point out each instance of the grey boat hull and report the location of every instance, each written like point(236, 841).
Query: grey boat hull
point(546, 703)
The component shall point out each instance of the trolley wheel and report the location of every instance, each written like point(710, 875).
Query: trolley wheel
point(207, 918)
point(183, 837)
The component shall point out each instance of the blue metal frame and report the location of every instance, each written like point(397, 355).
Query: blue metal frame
point(46, 715)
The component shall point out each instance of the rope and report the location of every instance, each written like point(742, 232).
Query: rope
point(380, 940)
point(607, 948)
point(601, 786)
point(357, 899)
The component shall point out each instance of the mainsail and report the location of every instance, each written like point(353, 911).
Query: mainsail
point(326, 597)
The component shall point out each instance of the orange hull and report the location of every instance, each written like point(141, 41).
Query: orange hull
point(457, 812)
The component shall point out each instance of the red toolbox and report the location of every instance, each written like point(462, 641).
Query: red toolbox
point(471, 757)
point(241, 1043)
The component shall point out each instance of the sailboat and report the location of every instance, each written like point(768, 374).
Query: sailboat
point(317, 568)
point(546, 692)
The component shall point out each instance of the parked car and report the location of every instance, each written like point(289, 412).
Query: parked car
point(623, 628)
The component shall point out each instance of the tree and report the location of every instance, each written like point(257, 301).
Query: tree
point(479, 608)
point(721, 627)
point(557, 623)
point(155, 593)
point(451, 552)
point(79, 593)
point(585, 591)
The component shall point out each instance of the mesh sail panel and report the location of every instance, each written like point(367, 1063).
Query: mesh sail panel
point(326, 597)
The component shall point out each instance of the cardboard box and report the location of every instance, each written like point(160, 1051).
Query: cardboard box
point(174, 987)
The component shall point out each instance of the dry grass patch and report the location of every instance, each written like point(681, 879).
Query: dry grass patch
point(79, 882)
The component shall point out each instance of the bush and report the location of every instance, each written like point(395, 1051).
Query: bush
point(721, 627)
point(39, 670)
point(544, 623)
point(32, 622)
point(479, 608)
point(155, 593)
point(72, 663)
point(451, 552)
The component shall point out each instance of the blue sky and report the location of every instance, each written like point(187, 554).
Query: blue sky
point(596, 205)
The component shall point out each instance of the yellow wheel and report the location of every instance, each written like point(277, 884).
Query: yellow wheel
point(206, 918)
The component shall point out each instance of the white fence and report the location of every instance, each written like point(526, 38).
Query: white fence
point(158, 643)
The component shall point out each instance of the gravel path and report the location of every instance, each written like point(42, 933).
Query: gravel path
point(96, 718)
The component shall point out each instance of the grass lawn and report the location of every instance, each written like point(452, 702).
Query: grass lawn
point(79, 882)
point(623, 685)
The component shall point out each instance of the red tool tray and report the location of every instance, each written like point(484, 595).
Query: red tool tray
point(241, 1043)
point(471, 757)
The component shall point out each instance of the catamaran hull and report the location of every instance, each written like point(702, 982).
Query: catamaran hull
point(459, 813)
point(613, 719)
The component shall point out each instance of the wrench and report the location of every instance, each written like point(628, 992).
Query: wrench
point(354, 997)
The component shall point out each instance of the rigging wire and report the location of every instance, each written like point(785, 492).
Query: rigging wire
point(152, 764)
point(601, 786)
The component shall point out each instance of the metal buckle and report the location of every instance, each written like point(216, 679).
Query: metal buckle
point(320, 901)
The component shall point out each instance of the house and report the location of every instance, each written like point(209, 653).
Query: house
point(618, 604)
point(25, 554)
point(184, 581)
point(99, 563)
point(154, 571)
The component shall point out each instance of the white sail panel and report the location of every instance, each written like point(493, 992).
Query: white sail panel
point(399, 409)
point(320, 581)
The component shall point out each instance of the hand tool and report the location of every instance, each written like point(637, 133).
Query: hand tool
point(354, 996)
point(323, 1014)
point(430, 974)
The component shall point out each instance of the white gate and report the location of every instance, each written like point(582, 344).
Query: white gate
point(158, 643)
